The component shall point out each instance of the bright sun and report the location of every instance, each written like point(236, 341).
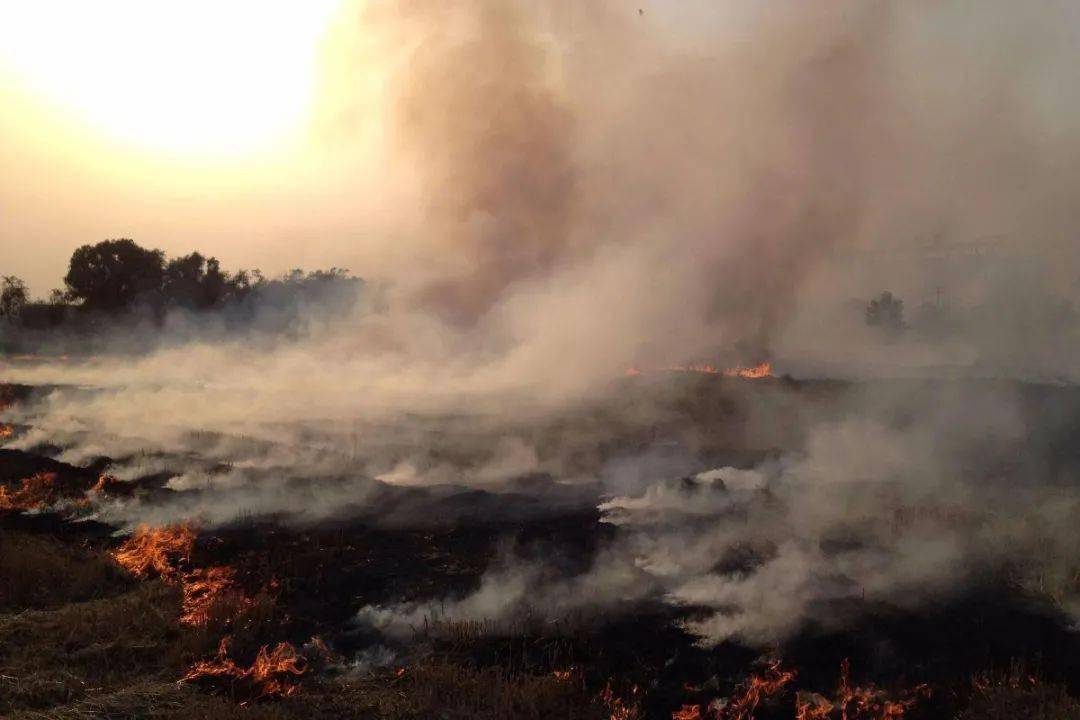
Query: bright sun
point(215, 77)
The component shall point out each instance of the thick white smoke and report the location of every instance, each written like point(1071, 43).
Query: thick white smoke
point(897, 502)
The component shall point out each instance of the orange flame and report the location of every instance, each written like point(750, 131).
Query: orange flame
point(274, 673)
point(850, 702)
point(158, 549)
point(211, 592)
point(44, 490)
point(869, 701)
point(565, 675)
point(619, 708)
point(688, 712)
point(272, 669)
point(107, 485)
point(763, 370)
point(755, 372)
point(756, 688)
point(856, 702)
point(36, 491)
point(6, 430)
point(316, 651)
point(811, 706)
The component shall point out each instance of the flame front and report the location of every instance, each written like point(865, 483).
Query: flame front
point(869, 702)
point(762, 370)
point(856, 703)
point(688, 712)
point(755, 372)
point(212, 592)
point(209, 593)
point(274, 673)
point(161, 550)
point(37, 491)
point(811, 706)
point(619, 708)
point(757, 687)
point(849, 702)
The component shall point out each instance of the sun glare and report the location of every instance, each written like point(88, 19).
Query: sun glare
point(213, 77)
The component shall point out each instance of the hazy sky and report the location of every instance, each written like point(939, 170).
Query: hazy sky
point(189, 126)
point(703, 172)
point(182, 125)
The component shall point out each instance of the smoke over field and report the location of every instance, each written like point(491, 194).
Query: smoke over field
point(612, 387)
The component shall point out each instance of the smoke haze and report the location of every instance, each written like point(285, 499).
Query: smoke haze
point(548, 195)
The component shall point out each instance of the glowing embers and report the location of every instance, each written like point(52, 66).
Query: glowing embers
point(857, 703)
point(848, 702)
point(35, 492)
point(1017, 677)
point(274, 673)
point(109, 486)
point(6, 430)
point(745, 699)
point(688, 712)
point(618, 706)
point(748, 696)
point(566, 675)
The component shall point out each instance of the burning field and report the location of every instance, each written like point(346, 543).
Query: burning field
point(702, 360)
point(700, 544)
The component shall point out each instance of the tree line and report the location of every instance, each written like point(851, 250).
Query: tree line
point(115, 277)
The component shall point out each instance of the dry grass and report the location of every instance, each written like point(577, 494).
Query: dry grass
point(1040, 702)
point(430, 690)
point(79, 639)
point(155, 701)
point(42, 572)
point(436, 688)
point(53, 657)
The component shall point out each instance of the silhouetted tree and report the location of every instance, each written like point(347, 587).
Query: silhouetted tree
point(198, 283)
point(13, 297)
point(886, 311)
point(114, 274)
point(183, 279)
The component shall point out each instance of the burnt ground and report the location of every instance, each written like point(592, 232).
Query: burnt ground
point(80, 637)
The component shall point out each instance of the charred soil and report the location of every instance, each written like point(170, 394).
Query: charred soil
point(256, 618)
